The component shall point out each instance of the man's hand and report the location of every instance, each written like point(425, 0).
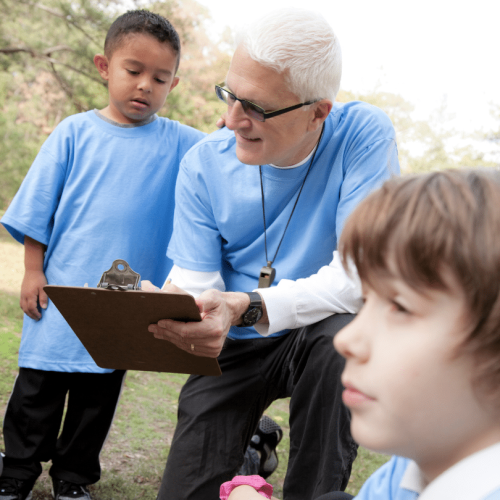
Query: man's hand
point(219, 310)
point(32, 293)
point(147, 286)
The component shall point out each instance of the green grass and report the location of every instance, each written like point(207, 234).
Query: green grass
point(136, 450)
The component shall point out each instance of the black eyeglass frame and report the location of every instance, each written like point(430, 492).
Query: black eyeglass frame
point(260, 111)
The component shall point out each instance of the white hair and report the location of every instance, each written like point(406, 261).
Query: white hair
point(300, 44)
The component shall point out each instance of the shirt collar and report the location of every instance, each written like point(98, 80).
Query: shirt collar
point(474, 477)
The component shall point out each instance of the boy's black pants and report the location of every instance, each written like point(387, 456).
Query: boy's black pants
point(218, 415)
point(33, 420)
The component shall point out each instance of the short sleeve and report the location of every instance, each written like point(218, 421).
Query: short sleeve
point(31, 212)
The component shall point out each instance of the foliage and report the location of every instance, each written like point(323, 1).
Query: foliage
point(47, 73)
point(494, 137)
point(422, 145)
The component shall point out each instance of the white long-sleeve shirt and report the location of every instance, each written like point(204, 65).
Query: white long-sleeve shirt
point(290, 304)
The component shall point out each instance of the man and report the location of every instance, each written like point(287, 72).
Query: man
point(268, 196)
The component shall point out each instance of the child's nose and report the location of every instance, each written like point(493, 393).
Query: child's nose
point(351, 341)
point(145, 84)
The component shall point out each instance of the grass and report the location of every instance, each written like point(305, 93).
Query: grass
point(137, 447)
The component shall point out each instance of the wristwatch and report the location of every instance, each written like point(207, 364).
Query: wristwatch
point(254, 311)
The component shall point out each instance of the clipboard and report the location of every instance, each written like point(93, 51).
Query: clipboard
point(112, 322)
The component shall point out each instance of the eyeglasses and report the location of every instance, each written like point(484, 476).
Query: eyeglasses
point(251, 109)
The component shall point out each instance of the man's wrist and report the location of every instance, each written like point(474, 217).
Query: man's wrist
point(238, 303)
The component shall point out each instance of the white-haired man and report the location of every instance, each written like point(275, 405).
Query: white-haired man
point(267, 198)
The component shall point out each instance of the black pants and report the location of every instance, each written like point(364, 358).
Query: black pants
point(336, 495)
point(218, 415)
point(33, 419)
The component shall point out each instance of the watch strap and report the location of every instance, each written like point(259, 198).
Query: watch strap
point(254, 311)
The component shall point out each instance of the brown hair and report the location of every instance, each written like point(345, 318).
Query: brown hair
point(430, 223)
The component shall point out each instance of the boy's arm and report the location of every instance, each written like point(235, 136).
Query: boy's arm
point(34, 279)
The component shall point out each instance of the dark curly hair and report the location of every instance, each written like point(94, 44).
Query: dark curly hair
point(142, 21)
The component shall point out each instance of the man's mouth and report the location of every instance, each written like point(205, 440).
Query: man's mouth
point(250, 139)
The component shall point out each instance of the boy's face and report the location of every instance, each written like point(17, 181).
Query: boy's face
point(407, 393)
point(140, 75)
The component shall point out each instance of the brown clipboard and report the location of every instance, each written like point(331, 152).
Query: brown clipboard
point(113, 327)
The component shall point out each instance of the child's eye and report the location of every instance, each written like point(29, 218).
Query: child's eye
point(160, 81)
point(398, 307)
point(132, 72)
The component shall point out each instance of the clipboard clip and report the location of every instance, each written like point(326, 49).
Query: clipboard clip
point(120, 277)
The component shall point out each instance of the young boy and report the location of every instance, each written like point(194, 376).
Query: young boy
point(422, 373)
point(101, 188)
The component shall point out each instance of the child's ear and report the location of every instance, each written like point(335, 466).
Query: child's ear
point(175, 81)
point(102, 64)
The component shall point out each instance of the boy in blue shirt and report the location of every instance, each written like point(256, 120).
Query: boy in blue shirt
point(101, 188)
point(422, 372)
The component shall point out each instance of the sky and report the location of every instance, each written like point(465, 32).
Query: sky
point(430, 52)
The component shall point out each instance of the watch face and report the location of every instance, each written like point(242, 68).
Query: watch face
point(252, 316)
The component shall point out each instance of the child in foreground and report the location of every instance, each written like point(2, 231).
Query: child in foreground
point(422, 375)
point(101, 188)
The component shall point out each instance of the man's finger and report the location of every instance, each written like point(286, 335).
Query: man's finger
point(193, 346)
point(147, 286)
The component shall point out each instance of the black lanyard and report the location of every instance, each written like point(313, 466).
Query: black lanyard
point(268, 273)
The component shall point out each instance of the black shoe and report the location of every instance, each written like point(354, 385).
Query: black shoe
point(251, 463)
point(64, 490)
point(265, 440)
point(14, 489)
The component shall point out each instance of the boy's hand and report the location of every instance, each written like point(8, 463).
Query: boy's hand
point(32, 294)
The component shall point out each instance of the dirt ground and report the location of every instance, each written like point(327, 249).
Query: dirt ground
point(11, 266)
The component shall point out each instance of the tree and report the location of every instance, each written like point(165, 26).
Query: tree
point(422, 145)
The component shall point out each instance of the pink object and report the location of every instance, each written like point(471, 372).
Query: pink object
point(256, 482)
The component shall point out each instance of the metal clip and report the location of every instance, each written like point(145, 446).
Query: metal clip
point(120, 277)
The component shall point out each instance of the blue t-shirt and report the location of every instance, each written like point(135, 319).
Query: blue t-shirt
point(218, 223)
point(96, 192)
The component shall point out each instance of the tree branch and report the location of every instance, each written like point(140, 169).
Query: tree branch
point(13, 50)
point(66, 89)
point(61, 15)
point(45, 56)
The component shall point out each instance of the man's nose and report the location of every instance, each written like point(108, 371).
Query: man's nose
point(236, 116)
